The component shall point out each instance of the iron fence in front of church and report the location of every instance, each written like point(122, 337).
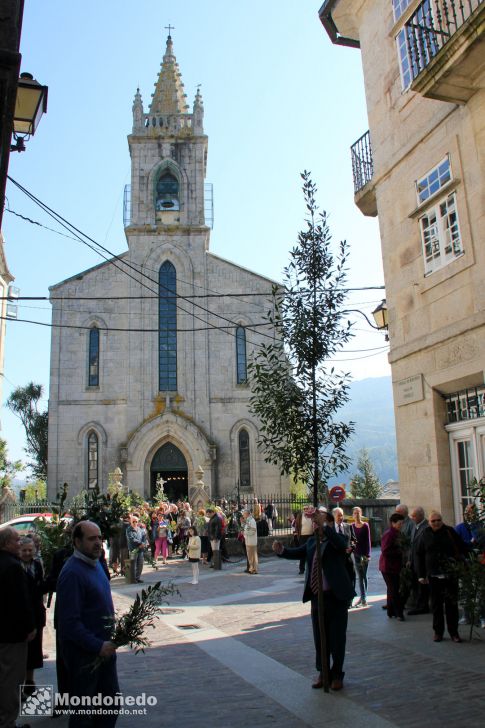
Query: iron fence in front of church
point(285, 509)
point(13, 510)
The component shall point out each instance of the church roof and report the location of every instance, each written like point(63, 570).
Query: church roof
point(169, 96)
point(80, 276)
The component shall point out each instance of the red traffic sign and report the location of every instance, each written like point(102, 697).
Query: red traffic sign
point(337, 493)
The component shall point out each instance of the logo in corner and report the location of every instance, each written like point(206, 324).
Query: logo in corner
point(41, 702)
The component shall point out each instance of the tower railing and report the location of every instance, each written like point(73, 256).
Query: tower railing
point(127, 206)
point(431, 26)
point(362, 162)
point(209, 204)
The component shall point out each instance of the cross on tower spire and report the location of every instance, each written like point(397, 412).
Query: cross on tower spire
point(169, 28)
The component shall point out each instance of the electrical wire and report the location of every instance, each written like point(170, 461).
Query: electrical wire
point(117, 329)
point(69, 226)
point(213, 294)
point(378, 349)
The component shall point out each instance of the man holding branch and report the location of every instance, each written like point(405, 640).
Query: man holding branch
point(336, 592)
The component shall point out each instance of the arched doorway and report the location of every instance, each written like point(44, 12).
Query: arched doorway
point(171, 464)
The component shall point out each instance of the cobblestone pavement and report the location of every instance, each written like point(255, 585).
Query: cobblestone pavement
point(236, 650)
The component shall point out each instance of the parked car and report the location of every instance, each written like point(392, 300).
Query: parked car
point(26, 522)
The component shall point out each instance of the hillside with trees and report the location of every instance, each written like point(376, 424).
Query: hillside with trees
point(371, 409)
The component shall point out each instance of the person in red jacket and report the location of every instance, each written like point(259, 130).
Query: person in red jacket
point(390, 565)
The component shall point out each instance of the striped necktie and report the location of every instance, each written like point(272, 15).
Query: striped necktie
point(314, 574)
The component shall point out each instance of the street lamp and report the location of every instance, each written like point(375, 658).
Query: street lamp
point(30, 104)
point(381, 317)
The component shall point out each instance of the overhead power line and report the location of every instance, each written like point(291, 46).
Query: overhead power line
point(378, 349)
point(213, 294)
point(72, 228)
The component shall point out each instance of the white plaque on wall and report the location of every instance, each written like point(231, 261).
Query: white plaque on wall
point(409, 390)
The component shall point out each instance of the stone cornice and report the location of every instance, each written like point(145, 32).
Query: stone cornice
point(445, 334)
point(151, 230)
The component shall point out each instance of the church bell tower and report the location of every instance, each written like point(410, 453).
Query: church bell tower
point(168, 151)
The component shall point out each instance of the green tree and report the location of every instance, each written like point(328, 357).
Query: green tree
point(365, 483)
point(24, 403)
point(35, 491)
point(298, 488)
point(471, 571)
point(296, 392)
point(8, 468)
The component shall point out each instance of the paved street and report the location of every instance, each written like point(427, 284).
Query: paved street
point(238, 651)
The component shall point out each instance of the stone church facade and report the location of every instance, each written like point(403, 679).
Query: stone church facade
point(148, 359)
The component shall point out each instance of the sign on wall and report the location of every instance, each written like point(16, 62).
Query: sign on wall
point(409, 390)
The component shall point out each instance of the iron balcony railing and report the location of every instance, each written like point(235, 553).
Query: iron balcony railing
point(468, 404)
point(432, 25)
point(362, 162)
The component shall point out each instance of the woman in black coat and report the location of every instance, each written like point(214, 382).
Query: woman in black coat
point(35, 577)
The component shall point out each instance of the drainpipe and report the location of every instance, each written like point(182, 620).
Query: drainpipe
point(325, 15)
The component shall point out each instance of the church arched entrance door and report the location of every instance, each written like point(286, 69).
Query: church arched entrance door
point(171, 464)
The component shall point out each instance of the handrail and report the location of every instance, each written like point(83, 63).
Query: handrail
point(431, 26)
point(362, 162)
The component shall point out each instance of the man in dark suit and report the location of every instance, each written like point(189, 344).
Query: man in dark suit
point(439, 548)
point(337, 591)
point(419, 592)
point(340, 525)
point(346, 530)
point(17, 625)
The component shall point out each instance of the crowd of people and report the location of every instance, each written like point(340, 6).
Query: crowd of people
point(157, 534)
point(419, 560)
point(415, 557)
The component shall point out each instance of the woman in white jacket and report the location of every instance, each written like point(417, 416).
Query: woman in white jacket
point(251, 540)
point(194, 553)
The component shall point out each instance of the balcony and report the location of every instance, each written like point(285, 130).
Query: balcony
point(446, 48)
point(363, 172)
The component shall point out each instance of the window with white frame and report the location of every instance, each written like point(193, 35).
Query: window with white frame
point(399, 6)
point(440, 234)
point(416, 42)
point(434, 180)
point(467, 451)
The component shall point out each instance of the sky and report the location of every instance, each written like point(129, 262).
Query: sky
point(279, 98)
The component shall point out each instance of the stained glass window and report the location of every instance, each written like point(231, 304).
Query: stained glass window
point(244, 459)
point(241, 367)
point(93, 364)
point(167, 338)
point(93, 460)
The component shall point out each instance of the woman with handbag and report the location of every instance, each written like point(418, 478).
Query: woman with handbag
point(360, 539)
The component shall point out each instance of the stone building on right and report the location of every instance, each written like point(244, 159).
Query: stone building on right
point(421, 169)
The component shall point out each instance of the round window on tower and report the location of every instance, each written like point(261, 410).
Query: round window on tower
point(167, 193)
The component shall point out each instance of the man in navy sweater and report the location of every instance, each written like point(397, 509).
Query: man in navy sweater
point(84, 606)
